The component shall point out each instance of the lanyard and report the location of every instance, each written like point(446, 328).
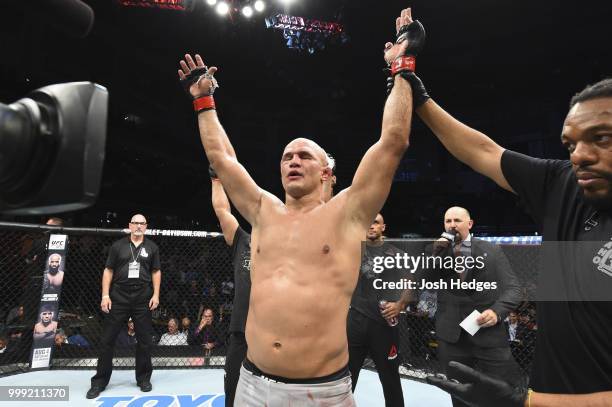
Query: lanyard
point(132, 252)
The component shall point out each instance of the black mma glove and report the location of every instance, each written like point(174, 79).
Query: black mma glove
point(204, 102)
point(478, 389)
point(414, 33)
point(405, 65)
point(193, 77)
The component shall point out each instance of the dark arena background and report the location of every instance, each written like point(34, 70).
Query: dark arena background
point(507, 68)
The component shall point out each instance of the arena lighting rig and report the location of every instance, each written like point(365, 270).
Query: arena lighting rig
point(182, 5)
point(302, 34)
point(247, 8)
point(307, 34)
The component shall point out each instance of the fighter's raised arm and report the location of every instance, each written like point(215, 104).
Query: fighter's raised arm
point(372, 181)
point(199, 82)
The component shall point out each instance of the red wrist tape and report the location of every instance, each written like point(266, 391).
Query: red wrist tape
point(405, 63)
point(204, 103)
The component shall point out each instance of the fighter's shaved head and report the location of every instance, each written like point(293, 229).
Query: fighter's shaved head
point(304, 142)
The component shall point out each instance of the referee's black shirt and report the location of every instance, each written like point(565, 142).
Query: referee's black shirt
point(123, 251)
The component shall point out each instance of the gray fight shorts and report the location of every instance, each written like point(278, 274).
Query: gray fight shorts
point(257, 389)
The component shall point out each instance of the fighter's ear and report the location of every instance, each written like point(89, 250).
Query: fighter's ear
point(326, 174)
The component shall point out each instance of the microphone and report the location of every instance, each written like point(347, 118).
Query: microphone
point(450, 236)
point(73, 17)
point(441, 245)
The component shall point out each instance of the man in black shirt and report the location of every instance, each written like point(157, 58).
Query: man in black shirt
point(572, 202)
point(130, 288)
point(239, 241)
point(368, 332)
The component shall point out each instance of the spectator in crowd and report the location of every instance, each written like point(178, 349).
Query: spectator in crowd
point(206, 333)
point(512, 325)
point(127, 336)
point(7, 354)
point(16, 316)
point(186, 328)
point(78, 339)
point(60, 338)
point(173, 337)
point(3, 344)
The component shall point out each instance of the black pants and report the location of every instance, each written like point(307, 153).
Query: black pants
point(497, 362)
point(126, 302)
point(236, 354)
point(366, 336)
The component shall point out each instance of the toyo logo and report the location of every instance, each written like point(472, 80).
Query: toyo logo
point(162, 400)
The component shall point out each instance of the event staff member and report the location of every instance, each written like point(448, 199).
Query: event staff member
point(571, 200)
point(130, 288)
point(368, 332)
point(488, 349)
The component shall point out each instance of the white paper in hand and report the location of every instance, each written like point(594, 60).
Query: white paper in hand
point(469, 324)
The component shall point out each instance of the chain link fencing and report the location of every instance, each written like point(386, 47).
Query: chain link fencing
point(197, 279)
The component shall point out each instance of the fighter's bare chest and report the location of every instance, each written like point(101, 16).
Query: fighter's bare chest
point(307, 235)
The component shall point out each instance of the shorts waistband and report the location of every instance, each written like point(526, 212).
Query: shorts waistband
point(340, 374)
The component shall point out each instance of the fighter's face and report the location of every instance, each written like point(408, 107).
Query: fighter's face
point(587, 135)
point(458, 221)
point(302, 168)
point(138, 225)
point(46, 316)
point(376, 229)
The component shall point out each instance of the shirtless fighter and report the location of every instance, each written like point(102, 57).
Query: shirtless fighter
point(305, 253)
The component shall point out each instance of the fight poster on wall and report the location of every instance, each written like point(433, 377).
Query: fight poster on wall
point(48, 312)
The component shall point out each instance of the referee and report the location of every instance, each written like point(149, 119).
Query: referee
point(130, 288)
